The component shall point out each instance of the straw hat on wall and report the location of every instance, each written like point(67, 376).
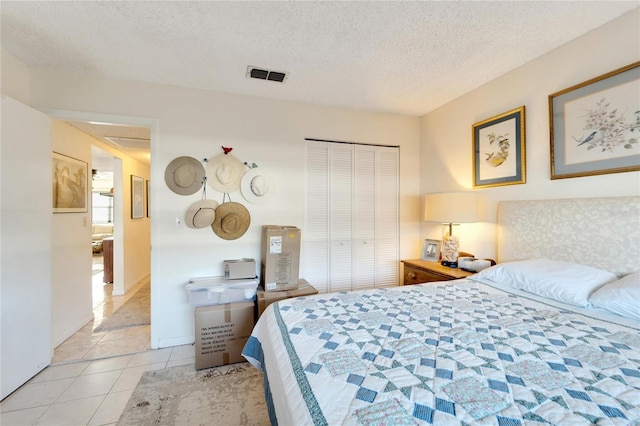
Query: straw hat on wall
point(232, 221)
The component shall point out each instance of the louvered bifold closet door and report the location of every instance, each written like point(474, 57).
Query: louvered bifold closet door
point(315, 234)
point(364, 206)
point(350, 237)
point(387, 215)
point(341, 216)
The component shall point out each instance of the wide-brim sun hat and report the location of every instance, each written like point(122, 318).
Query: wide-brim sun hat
point(224, 172)
point(201, 214)
point(256, 186)
point(184, 175)
point(232, 221)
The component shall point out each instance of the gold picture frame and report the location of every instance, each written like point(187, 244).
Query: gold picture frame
point(499, 150)
point(69, 184)
point(595, 125)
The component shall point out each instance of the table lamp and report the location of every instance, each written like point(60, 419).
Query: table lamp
point(451, 209)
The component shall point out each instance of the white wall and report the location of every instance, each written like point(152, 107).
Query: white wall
point(15, 78)
point(269, 133)
point(71, 304)
point(446, 154)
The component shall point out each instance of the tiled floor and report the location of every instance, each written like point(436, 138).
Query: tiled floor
point(92, 375)
point(89, 345)
point(86, 392)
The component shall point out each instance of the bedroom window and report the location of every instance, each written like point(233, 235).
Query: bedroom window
point(351, 222)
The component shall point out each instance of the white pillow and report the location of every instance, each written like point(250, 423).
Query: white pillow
point(621, 297)
point(562, 281)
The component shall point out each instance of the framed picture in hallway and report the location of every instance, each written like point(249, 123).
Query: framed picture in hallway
point(70, 184)
point(137, 197)
point(147, 197)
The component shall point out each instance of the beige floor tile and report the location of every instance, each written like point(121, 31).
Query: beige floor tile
point(22, 417)
point(90, 385)
point(114, 348)
point(84, 338)
point(111, 408)
point(66, 353)
point(182, 361)
point(107, 364)
point(35, 395)
point(77, 412)
point(151, 357)
point(141, 332)
point(184, 351)
point(60, 372)
point(130, 377)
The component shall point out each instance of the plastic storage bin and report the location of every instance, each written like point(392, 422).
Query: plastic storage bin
point(217, 291)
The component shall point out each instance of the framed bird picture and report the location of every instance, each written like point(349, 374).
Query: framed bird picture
point(595, 125)
point(499, 156)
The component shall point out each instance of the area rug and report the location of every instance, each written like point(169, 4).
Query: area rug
point(135, 311)
point(226, 395)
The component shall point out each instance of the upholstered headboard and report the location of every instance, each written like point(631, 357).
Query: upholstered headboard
point(600, 232)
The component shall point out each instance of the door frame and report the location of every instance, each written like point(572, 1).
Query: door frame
point(118, 246)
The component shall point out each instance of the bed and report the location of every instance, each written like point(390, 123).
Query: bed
point(549, 335)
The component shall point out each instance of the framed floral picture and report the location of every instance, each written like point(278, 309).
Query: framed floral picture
point(499, 150)
point(595, 125)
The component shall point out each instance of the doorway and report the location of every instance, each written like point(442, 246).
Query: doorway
point(113, 160)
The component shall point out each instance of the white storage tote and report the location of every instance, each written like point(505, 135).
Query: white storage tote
point(218, 291)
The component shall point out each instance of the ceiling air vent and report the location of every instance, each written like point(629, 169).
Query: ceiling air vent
point(263, 74)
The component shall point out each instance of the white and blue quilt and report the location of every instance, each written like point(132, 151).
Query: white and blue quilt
point(449, 353)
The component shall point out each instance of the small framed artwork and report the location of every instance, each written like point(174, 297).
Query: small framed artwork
point(499, 155)
point(431, 250)
point(147, 197)
point(137, 197)
point(595, 125)
point(70, 183)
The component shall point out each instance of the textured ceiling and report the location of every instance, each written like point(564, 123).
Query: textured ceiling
point(406, 57)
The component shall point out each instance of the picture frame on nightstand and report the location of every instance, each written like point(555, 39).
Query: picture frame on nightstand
point(431, 250)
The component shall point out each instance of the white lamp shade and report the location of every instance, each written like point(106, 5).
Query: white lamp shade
point(451, 207)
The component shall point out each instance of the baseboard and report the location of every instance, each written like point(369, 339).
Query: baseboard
point(132, 285)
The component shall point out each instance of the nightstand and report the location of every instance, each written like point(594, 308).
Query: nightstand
point(418, 271)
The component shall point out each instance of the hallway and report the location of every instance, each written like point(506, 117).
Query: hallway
point(87, 344)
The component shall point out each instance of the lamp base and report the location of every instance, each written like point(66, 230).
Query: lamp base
point(449, 263)
point(450, 244)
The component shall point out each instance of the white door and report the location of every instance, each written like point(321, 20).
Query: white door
point(25, 248)
point(351, 217)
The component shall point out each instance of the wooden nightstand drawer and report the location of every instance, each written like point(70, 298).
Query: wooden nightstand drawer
point(417, 276)
point(418, 271)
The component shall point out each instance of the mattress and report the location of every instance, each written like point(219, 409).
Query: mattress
point(454, 353)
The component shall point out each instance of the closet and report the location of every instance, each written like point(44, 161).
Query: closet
point(350, 238)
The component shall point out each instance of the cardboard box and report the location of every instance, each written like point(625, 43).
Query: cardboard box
point(280, 257)
point(239, 269)
point(221, 333)
point(265, 298)
point(218, 291)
